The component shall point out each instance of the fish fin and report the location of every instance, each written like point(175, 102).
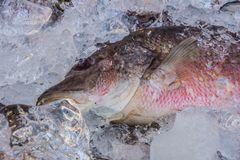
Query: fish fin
point(175, 65)
point(176, 62)
point(181, 54)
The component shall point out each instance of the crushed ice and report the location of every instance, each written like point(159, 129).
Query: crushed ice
point(40, 41)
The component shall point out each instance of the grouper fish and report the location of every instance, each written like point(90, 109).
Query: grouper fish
point(152, 73)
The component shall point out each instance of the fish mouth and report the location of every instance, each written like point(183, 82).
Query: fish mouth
point(74, 88)
point(46, 98)
point(74, 98)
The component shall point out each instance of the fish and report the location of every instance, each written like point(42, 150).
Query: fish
point(151, 73)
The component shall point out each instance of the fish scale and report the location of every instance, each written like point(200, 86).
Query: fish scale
point(105, 82)
point(201, 91)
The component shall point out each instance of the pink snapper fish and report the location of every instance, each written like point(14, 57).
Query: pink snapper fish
point(152, 73)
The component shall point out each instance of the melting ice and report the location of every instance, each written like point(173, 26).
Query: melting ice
point(199, 135)
point(35, 54)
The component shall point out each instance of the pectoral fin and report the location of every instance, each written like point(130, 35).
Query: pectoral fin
point(181, 54)
point(175, 67)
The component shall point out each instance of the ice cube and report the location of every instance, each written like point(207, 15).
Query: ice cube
point(38, 61)
point(195, 135)
point(116, 142)
point(192, 12)
point(200, 135)
point(21, 17)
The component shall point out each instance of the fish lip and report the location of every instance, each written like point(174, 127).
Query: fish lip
point(46, 98)
point(39, 103)
point(43, 100)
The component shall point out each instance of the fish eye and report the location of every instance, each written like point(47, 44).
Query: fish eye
point(84, 64)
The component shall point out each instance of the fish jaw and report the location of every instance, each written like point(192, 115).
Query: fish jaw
point(103, 105)
point(75, 98)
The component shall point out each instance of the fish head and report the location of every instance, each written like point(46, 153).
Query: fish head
point(109, 76)
point(86, 82)
point(93, 82)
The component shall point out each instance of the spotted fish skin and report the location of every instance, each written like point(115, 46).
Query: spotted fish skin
point(128, 75)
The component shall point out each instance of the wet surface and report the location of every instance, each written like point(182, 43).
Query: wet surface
point(41, 40)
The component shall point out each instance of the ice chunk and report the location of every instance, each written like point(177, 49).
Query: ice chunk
point(193, 12)
point(111, 31)
point(120, 141)
point(194, 136)
point(109, 144)
point(229, 124)
point(58, 131)
point(50, 132)
point(37, 60)
point(200, 135)
point(207, 4)
point(137, 5)
point(20, 17)
point(237, 16)
point(202, 4)
point(4, 136)
point(231, 7)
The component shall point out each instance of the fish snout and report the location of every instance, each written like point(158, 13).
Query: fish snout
point(45, 98)
point(50, 96)
point(39, 102)
point(75, 98)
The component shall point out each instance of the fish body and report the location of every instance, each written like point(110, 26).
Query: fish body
point(212, 88)
point(151, 73)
